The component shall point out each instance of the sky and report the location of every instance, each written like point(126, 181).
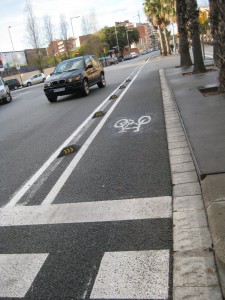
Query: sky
point(12, 13)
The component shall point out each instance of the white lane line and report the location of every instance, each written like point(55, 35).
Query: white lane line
point(133, 275)
point(18, 271)
point(22, 191)
point(65, 175)
point(84, 212)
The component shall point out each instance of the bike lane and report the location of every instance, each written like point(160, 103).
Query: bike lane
point(125, 169)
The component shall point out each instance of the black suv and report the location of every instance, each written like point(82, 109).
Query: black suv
point(13, 84)
point(75, 74)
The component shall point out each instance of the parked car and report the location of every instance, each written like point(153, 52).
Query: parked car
point(105, 61)
point(5, 96)
point(134, 54)
point(75, 74)
point(37, 78)
point(127, 57)
point(113, 61)
point(13, 84)
point(120, 58)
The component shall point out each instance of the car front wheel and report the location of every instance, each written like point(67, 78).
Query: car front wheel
point(8, 98)
point(52, 98)
point(102, 83)
point(85, 88)
point(29, 84)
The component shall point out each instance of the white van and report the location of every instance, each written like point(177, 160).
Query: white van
point(5, 96)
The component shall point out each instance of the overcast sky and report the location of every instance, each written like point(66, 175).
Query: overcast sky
point(12, 13)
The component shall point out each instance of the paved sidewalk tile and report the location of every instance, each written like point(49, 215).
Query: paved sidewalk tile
point(197, 293)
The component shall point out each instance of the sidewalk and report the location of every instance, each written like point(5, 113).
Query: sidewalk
point(203, 121)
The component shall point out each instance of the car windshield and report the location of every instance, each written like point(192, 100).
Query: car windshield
point(70, 65)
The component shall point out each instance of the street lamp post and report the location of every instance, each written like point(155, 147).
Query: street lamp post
point(17, 67)
point(72, 27)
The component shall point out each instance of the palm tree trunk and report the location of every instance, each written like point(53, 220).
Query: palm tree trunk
point(214, 11)
point(185, 58)
point(193, 14)
point(161, 40)
point(221, 45)
point(166, 41)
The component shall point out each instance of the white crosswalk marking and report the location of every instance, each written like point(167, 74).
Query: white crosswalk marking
point(133, 275)
point(18, 271)
point(99, 211)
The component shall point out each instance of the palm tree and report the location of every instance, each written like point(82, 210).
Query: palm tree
point(185, 58)
point(214, 11)
point(157, 14)
point(193, 26)
point(221, 44)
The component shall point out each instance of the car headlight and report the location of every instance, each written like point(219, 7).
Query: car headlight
point(72, 79)
point(47, 84)
point(3, 91)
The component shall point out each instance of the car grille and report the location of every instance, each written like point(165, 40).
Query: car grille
point(60, 82)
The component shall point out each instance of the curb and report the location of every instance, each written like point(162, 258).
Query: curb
point(194, 268)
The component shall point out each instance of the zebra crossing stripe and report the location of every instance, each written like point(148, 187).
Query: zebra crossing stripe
point(83, 212)
point(133, 275)
point(18, 271)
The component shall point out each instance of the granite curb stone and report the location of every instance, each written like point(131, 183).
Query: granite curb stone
point(195, 273)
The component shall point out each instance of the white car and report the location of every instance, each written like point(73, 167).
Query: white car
point(38, 78)
point(134, 54)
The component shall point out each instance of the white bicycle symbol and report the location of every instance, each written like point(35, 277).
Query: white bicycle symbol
point(128, 124)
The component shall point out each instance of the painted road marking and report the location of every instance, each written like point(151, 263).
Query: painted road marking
point(66, 174)
point(133, 275)
point(129, 124)
point(98, 211)
point(18, 271)
point(23, 190)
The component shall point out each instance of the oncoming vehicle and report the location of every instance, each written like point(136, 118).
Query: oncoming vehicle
point(5, 96)
point(74, 74)
point(13, 83)
point(37, 78)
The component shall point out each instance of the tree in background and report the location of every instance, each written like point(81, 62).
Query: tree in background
point(221, 44)
point(193, 26)
point(85, 25)
point(49, 34)
point(159, 13)
point(33, 36)
point(93, 23)
point(93, 45)
point(214, 17)
point(64, 33)
point(185, 58)
point(110, 34)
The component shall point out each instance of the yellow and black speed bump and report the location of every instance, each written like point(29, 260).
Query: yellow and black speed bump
point(113, 97)
point(98, 114)
point(68, 150)
point(122, 87)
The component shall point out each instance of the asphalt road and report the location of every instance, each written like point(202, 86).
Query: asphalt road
point(96, 223)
